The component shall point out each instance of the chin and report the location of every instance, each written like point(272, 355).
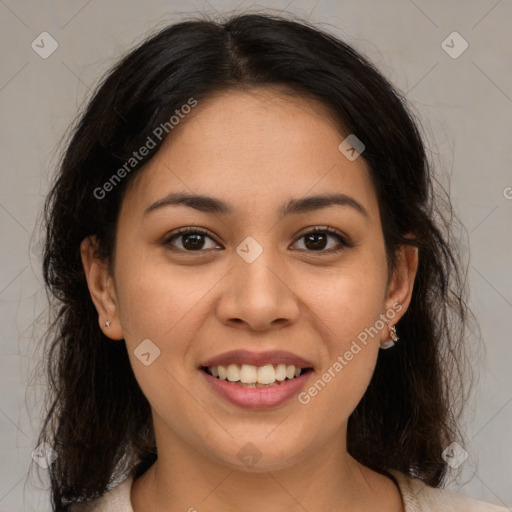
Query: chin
point(260, 455)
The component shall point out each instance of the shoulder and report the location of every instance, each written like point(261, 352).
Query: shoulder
point(117, 499)
point(420, 497)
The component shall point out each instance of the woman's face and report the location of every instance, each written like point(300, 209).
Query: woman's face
point(253, 279)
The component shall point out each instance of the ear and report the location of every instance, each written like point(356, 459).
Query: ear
point(101, 288)
point(399, 291)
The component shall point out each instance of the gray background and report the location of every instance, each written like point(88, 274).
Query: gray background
point(465, 104)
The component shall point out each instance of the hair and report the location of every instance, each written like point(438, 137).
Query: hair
point(98, 421)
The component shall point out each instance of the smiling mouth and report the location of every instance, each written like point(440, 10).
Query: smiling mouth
point(251, 376)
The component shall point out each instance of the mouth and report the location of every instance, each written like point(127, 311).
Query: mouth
point(256, 380)
point(252, 376)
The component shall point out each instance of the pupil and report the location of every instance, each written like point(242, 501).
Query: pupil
point(196, 244)
point(316, 237)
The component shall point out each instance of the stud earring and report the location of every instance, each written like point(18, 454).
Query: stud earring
point(107, 323)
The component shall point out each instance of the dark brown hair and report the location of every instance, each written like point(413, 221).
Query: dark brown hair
point(98, 420)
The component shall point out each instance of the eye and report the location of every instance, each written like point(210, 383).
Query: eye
point(317, 239)
point(192, 239)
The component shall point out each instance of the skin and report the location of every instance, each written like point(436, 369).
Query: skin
point(255, 150)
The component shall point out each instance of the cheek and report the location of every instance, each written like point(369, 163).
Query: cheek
point(167, 306)
point(348, 300)
point(347, 309)
point(346, 313)
point(158, 304)
point(153, 296)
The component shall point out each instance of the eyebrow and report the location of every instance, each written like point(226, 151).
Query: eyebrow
point(291, 207)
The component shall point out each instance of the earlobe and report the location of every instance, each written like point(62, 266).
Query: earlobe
point(101, 288)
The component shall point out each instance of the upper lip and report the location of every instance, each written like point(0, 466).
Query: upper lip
point(258, 358)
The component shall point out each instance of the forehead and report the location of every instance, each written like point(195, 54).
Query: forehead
point(257, 144)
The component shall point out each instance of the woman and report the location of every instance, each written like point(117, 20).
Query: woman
point(256, 307)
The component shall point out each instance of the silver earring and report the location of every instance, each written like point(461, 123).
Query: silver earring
point(391, 343)
point(107, 323)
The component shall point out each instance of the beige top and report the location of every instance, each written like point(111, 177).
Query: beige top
point(416, 495)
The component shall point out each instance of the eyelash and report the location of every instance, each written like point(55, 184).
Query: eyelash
point(344, 243)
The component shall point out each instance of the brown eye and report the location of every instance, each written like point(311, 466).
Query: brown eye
point(318, 239)
point(191, 239)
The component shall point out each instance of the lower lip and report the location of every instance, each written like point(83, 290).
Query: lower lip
point(257, 398)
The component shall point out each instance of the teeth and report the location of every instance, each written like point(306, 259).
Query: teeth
point(222, 372)
point(250, 375)
point(233, 373)
point(266, 374)
point(281, 372)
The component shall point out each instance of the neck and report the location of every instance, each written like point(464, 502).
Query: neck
point(325, 479)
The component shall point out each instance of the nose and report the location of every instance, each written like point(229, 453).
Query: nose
point(257, 295)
